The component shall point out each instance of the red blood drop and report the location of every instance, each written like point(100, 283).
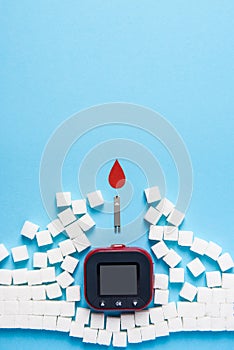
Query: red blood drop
point(117, 177)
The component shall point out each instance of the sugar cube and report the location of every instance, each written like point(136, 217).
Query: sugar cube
point(5, 276)
point(152, 194)
point(29, 229)
point(172, 258)
point(63, 199)
point(95, 199)
point(161, 329)
point(67, 217)
point(218, 324)
point(48, 274)
point(160, 281)
point(152, 216)
point(176, 217)
point(63, 324)
point(170, 233)
point(204, 323)
point(165, 207)
point(175, 324)
point(53, 291)
point(161, 296)
point(156, 314)
point(24, 293)
point(188, 291)
point(82, 315)
point(127, 321)
point(97, 320)
point(67, 309)
point(40, 260)
point(50, 323)
point(213, 279)
point(204, 294)
point(142, 318)
point(170, 310)
point(54, 255)
point(196, 267)
point(230, 295)
point(156, 233)
point(21, 321)
point(81, 242)
point(90, 335)
point(38, 292)
point(73, 230)
point(176, 275)
point(160, 249)
point(134, 335)
point(199, 246)
point(76, 330)
point(212, 310)
point(35, 322)
point(113, 323)
point(189, 324)
point(64, 279)
point(19, 276)
point(34, 277)
point(120, 339)
point(218, 295)
point(225, 262)
point(55, 227)
point(227, 280)
point(86, 222)
point(213, 250)
point(3, 252)
point(20, 253)
point(148, 333)
point(69, 264)
point(104, 337)
point(25, 307)
point(79, 206)
point(43, 238)
point(67, 247)
point(185, 238)
point(52, 308)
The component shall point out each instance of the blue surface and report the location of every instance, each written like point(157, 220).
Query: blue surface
point(175, 57)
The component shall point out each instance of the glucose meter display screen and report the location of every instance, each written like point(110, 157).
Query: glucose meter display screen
point(118, 280)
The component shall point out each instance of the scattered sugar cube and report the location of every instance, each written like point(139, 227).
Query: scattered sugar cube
point(40, 260)
point(63, 199)
point(73, 230)
point(176, 275)
point(188, 291)
point(95, 199)
point(64, 279)
point(127, 321)
point(29, 229)
point(55, 227)
point(54, 255)
point(79, 206)
point(48, 274)
point(204, 323)
point(50, 323)
point(175, 324)
point(67, 309)
point(86, 222)
point(76, 330)
point(19, 276)
point(134, 335)
point(170, 310)
point(63, 324)
point(104, 337)
point(69, 264)
point(152, 216)
point(185, 238)
point(90, 335)
point(148, 333)
point(67, 247)
point(81, 242)
point(213, 250)
point(152, 194)
point(82, 315)
point(170, 233)
point(120, 339)
point(176, 217)
point(53, 291)
point(156, 233)
point(213, 279)
point(161, 329)
point(5, 277)
point(142, 318)
point(172, 258)
point(160, 281)
point(20, 253)
point(189, 324)
point(38, 292)
point(43, 238)
point(165, 207)
point(67, 217)
point(160, 249)
point(156, 314)
point(225, 262)
point(199, 246)
point(97, 320)
point(34, 277)
point(204, 294)
point(161, 296)
point(113, 323)
point(73, 293)
point(196, 267)
point(227, 280)
point(3, 252)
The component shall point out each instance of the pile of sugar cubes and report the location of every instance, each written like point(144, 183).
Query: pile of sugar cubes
point(31, 299)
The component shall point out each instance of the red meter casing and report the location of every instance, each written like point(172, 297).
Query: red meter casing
point(118, 278)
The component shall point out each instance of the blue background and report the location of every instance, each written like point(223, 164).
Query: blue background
point(59, 57)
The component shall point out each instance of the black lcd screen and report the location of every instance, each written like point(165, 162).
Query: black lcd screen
point(118, 280)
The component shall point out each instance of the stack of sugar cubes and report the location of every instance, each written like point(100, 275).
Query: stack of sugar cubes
point(32, 298)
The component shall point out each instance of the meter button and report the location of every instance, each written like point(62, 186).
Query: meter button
point(118, 303)
point(102, 303)
point(135, 303)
